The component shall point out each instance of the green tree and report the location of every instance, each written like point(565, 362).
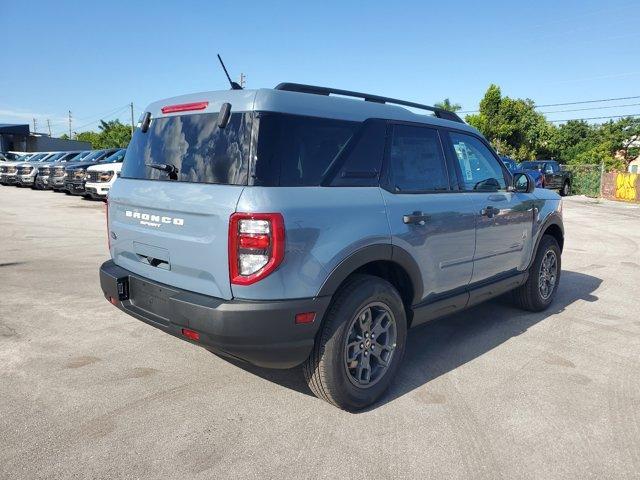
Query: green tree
point(114, 134)
point(447, 105)
point(513, 125)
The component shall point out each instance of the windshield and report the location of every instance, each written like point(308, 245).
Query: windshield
point(67, 157)
point(116, 157)
point(94, 156)
point(54, 157)
point(509, 163)
point(532, 165)
point(191, 148)
point(37, 157)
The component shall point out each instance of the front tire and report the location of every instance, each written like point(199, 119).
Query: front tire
point(360, 345)
point(565, 190)
point(544, 277)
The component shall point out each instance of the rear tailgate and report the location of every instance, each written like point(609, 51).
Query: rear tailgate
point(174, 233)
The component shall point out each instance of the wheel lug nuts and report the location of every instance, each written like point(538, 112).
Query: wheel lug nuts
point(366, 353)
point(361, 346)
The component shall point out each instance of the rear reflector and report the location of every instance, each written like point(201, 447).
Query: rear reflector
point(190, 334)
point(307, 317)
point(185, 107)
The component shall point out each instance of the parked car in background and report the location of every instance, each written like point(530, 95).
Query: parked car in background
point(74, 174)
point(514, 168)
point(220, 234)
point(56, 170)
point(14, 156)
point(44, 172)
point(9, 170)
point(29, 171)
point(553, 176)
point(100, 178)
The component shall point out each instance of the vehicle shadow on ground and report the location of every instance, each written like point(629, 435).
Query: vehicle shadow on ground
point(443, 345)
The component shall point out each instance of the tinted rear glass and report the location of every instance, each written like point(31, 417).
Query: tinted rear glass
point(296, 151)
point(195, 146)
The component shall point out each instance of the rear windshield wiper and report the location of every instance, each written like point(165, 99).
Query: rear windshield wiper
point(165, 167)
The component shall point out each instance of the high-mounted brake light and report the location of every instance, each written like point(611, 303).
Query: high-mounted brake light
point(185, 107)
point(256, 246)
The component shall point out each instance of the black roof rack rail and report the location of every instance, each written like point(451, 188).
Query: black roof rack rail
point(301, 88)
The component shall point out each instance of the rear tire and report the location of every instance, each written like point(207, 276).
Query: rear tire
point(566, 189)
point(544, 277)
point(360, 345)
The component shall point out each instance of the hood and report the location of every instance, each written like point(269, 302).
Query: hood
point(106, 167)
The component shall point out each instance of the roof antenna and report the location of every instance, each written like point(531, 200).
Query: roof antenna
point(234, 85)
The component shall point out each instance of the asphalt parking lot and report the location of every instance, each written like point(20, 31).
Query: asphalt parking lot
point(89, 392)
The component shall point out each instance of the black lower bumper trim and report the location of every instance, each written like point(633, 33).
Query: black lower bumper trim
point(262, 333)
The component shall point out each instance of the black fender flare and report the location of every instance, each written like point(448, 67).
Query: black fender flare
point(553, 218)
point(373, 253)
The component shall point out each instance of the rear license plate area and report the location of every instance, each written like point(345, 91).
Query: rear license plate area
point(150, 297)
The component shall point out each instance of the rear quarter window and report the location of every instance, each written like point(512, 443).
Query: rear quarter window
point(297, 151)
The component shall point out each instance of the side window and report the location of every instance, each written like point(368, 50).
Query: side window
point(416, 161)
point(549, 168)
point(479, 168)
point(362, 166)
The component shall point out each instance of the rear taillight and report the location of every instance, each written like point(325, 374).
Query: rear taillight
point(256, 246)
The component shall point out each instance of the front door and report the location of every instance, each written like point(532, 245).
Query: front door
point(504, 218)
point(435, 225)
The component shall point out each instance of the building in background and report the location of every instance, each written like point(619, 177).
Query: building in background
point(18, 138)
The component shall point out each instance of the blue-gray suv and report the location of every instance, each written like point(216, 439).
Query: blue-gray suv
point(312, 226)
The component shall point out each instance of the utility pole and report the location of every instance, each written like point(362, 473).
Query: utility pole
point(243, 80)
point(49, 126)
point(69, 124)
point(132, 125)
point(34, 126)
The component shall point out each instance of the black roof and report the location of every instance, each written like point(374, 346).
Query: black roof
point(14, 129)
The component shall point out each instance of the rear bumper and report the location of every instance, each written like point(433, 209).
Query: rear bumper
point(262, 333)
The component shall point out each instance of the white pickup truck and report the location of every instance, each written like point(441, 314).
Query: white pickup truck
point(99, 178)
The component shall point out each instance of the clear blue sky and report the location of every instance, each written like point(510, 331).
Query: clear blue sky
point(95, 57)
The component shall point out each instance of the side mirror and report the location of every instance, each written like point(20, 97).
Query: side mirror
point(523, 183)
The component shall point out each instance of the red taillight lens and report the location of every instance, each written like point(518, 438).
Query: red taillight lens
point(256, 246)
point(191, 334)
point(185, 107)
point(307, 317)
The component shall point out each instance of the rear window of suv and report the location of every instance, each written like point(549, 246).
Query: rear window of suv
point(193, 147)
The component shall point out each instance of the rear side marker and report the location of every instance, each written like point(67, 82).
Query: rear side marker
point(191, 334)
point(307, 317)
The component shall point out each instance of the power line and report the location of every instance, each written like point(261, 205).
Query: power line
point(596, 118)
point(572, 103)
point(593, 108)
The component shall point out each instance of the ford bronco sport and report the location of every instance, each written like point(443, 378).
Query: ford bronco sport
point(295, 226)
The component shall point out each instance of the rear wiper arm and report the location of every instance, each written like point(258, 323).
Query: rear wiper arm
point(163, 167)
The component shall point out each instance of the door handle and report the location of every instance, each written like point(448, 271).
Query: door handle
point(489, 211)
point(415, 218)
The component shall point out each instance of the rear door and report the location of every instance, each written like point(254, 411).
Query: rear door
point(169, 212)
point(504, 217)
point(427, 219)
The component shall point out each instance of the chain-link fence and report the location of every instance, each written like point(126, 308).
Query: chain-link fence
point(586, 179)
